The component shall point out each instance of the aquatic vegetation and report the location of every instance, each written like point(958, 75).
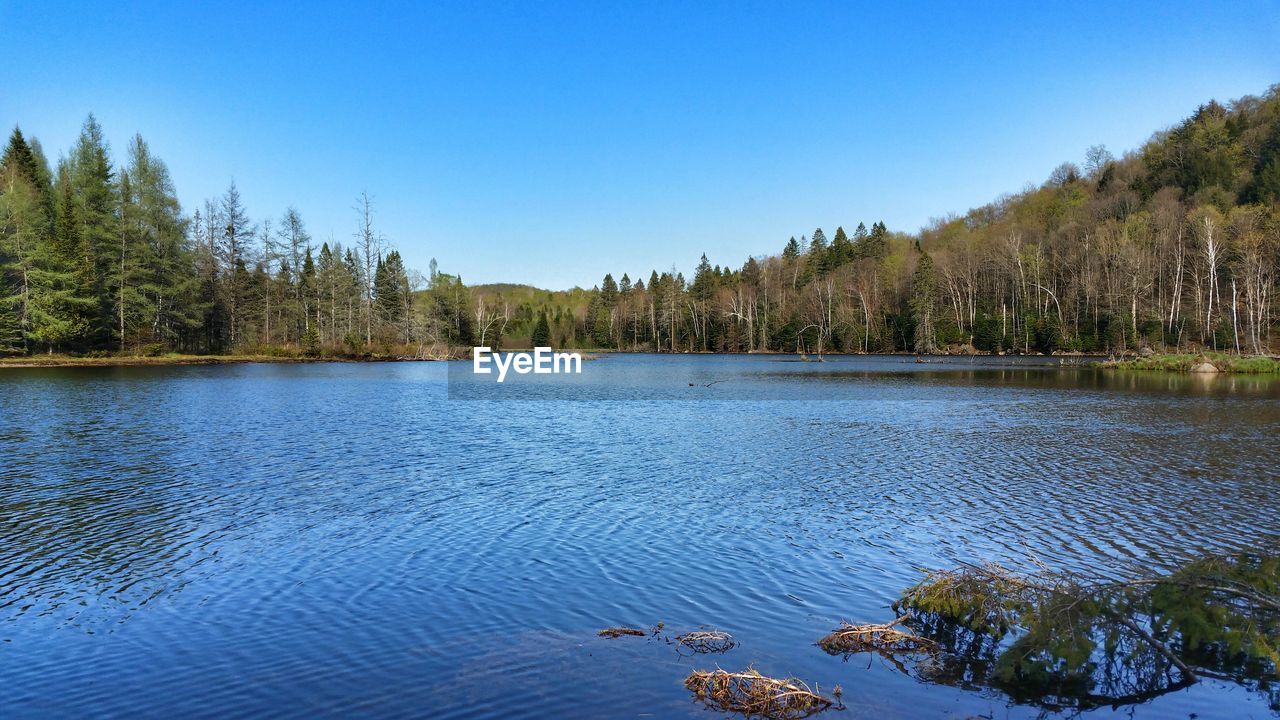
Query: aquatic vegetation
point(752, 694)
point(1065, 640)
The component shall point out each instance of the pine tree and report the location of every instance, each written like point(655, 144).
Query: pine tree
point(233, 239)
point(609, 291)
point(704, 280)
point(308, 292)
point(94, 183)
point(391, 286)
point(327, 294)
point(38, 287)
point(817, 256)
point(751, 273)
point(128, 270)
point(168, 304)
point(841, 250)
point(876, 245)
point(296, 246)
point(70, 252)
point(923, 300)
point(27, 163)
point(541, 332)
point(10, 328)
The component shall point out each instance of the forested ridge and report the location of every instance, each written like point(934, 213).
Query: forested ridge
point(1172, 246)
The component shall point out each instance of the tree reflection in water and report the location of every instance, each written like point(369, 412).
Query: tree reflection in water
point(1065, 641)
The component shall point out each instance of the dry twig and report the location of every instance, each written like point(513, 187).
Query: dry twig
point(707, 641)
point(875, 637)
point(750, 693)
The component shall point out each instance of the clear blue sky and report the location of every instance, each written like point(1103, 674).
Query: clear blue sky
point(549, 142)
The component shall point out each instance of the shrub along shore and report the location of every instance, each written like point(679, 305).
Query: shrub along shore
point(1203, 363)
point(255, 355)
point(1206, 363)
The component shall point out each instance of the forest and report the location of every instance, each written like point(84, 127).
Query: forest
point(97, 258)
point(1174, 246)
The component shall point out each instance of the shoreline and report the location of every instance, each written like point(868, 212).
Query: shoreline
point(57, 361)
point(1207, 364)
point(1203, 363)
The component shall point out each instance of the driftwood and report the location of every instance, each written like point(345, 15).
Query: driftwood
point(617, 632)
point(752, 694)
point(706, 641)
point(883, 638)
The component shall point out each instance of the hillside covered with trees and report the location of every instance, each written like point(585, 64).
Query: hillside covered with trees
point(1172, 246)
point(1175, 245)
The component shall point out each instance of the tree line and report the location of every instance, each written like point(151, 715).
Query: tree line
point(1172, 246)
point(97, 257)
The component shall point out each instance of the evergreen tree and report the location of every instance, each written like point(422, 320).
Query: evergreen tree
point(704, 280)
point(327, 283)
point(876, 244)
point(94, 183)
point(127, 266)
point(391, 287)
point(609, 291)
point(10, 328)
point(40, 292)
point(817, 261)
point(923, 301)
point(751, 273)
point(841, 250)
point(234, 238)
point(295, 244)
point(19, 158)
point(70, 252)
point(308, 293)
point(541, 332)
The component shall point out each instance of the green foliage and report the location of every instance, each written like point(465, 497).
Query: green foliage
point(923, 300)
point(986, 333)
point(542, 332)
point(1183, 362)
point(1108, 256)
point(311, 342)
point(1065, 640)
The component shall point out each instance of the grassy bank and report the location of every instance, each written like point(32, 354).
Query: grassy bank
point(1253, 364)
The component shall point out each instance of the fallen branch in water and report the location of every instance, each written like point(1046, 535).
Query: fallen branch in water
point(617, 632)
point(750, 693)
point(1064, 639)
point(707, 641)
point(875, 637)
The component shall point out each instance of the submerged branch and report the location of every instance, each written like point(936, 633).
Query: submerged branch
point(752, 694)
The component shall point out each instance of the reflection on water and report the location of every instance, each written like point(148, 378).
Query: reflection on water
point(355, 539)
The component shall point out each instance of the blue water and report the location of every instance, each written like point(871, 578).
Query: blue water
point(401, 540)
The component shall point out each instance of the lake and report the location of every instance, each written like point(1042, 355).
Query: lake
point(409, 540)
